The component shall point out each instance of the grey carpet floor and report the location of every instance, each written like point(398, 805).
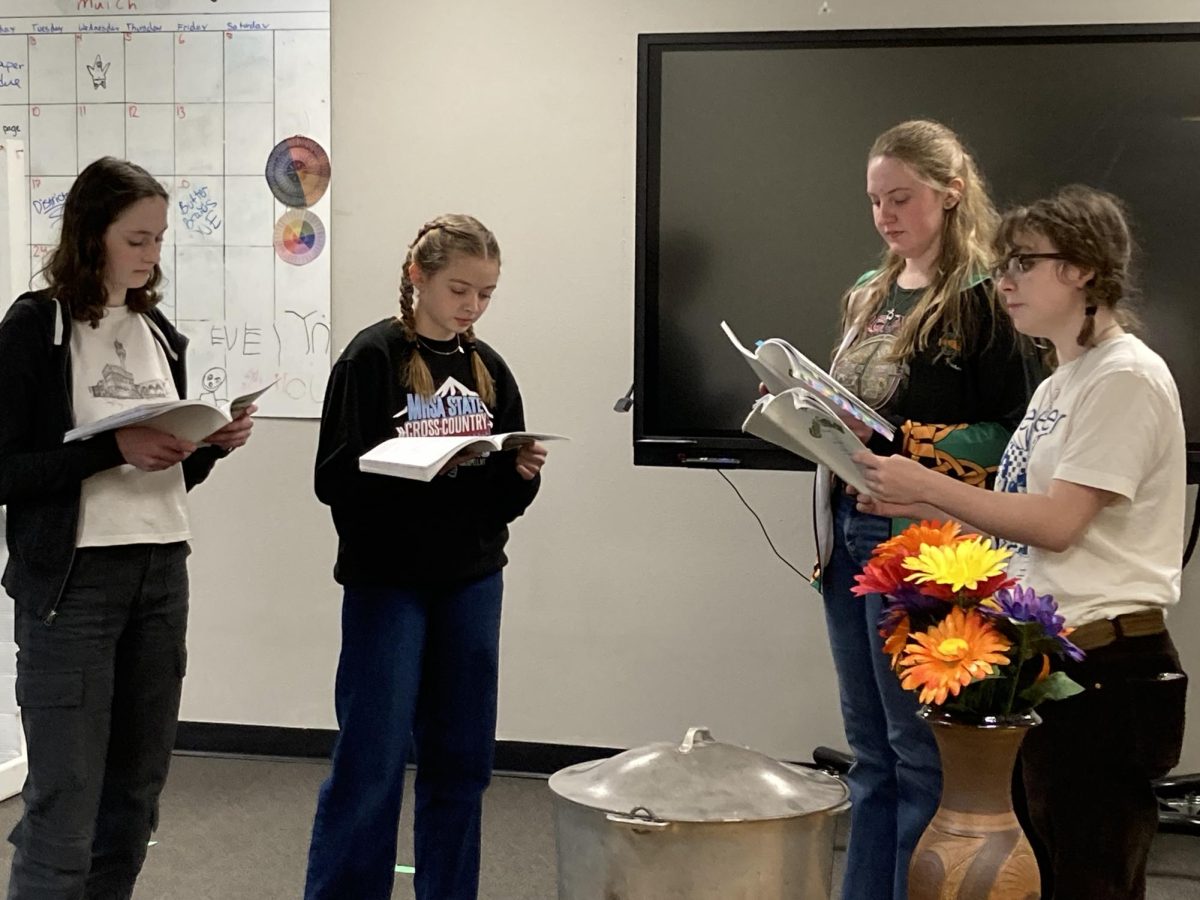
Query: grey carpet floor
point(237, 829)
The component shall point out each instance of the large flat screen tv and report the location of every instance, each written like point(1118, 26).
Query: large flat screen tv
point(752, 207)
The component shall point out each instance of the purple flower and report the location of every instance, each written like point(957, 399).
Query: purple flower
point(908, 601)
point(1024, 605)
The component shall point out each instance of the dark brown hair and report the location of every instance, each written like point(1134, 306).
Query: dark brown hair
point(75, 270)
point(432, 249)
point(1090, 228)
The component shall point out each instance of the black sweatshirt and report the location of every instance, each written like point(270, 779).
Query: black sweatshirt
point(396, 532)
point(41, 477)
point(991, 380)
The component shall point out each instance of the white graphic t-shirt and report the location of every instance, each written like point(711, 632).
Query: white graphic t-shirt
point(119, 365)
point(1109, 419)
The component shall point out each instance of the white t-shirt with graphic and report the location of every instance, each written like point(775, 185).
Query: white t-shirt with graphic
point(1109, 419)
point(115, 366)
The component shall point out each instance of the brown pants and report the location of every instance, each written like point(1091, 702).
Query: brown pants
point(1088, 769)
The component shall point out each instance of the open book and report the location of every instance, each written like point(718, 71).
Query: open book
point(421, 458)
point(797, 421)
point(190, 420)
point(782, 367)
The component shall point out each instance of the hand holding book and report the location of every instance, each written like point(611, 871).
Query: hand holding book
point(530, 459)
point(236, 433)
point(189, 420)
point(806, 411)
point(424, 458)
point(151, 450)
point(782, 367)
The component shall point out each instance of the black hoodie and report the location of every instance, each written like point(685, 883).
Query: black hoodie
point(40, 476)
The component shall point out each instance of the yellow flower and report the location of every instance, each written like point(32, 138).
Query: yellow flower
point(965, 564)
point(963, 648)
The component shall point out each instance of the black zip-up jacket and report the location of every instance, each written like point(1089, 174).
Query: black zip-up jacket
point(396, 532)
point(40, 476)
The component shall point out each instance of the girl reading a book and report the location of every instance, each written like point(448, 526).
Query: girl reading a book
point(420, 564)
point(98, 532)
point(924, 344)
point(1091, 496)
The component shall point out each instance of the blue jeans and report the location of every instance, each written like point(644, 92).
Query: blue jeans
point(418, 665)
point(896, 780)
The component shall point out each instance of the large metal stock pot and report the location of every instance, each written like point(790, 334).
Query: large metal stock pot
point(701, 820)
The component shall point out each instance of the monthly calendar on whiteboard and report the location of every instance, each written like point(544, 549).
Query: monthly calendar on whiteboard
point(227, 102)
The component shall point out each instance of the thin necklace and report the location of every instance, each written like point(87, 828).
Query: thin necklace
point(457, 349)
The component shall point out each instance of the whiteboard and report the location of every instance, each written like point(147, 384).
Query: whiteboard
point(14, 223)
point(227, 103)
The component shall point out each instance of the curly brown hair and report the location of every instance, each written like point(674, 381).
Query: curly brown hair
point(74, 271)
point(1089, 227)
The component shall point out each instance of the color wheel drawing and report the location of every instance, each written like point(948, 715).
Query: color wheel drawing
point(299, 237)
point(298, 171)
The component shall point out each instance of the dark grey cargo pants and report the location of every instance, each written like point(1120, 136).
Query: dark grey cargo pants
point(99, 692)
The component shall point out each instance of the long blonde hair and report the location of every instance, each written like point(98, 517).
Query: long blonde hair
point(431, 250)
point(937, 156)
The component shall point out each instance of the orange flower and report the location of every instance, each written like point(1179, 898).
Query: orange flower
point(909, 541)
point(894, 643)
point(948, 656)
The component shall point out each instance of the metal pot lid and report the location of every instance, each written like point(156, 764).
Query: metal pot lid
point(700, 780)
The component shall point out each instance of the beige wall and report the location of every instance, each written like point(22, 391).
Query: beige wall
point(639, 601)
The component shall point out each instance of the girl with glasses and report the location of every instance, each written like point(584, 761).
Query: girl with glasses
point(1090, 497)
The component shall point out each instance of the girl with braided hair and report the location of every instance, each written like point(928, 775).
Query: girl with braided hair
point(420, 565)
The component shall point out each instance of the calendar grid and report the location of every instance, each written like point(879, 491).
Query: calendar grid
point(203, 116)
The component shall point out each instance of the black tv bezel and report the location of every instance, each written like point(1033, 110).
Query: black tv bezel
point(744, 451)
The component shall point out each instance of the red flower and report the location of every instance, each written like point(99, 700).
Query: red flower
point(882, 575)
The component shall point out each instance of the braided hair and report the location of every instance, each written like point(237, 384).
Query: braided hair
point(1091, 229)
point(435, 243)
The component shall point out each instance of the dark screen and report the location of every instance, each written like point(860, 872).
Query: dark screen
point(759, 190)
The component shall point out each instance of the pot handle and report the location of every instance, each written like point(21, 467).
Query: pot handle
point(640, 817)
point(696, 736)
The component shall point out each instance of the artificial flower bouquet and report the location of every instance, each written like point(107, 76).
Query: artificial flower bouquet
point(960, 630)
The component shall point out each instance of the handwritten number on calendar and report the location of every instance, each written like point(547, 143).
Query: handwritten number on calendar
point(180, 112)
point(133, 111)
point(35, 110)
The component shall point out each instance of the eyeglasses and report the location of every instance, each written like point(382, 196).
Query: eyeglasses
point(1020, 263)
